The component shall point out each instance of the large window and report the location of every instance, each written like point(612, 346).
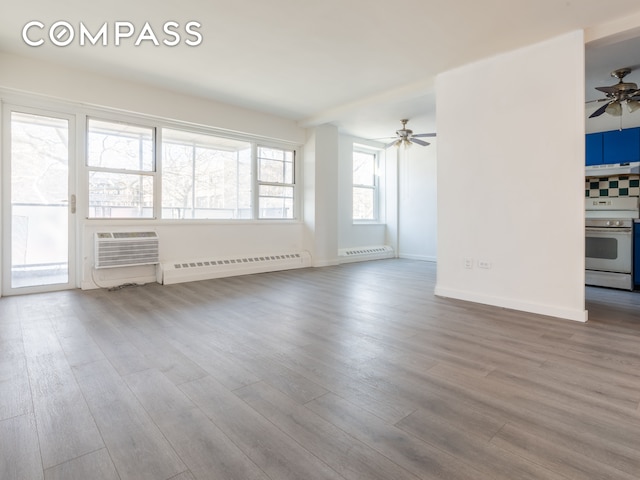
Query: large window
point(204, 176)
point(122, 170)
point(365, 186)
point(138, 171)
point(276, 183)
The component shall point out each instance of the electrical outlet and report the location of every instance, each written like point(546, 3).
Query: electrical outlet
point(484, 264)
point(468, 263)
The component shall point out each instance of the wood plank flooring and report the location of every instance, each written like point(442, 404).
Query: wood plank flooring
point(353, 372)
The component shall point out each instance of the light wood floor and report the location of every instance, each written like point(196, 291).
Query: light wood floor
point(351, 372)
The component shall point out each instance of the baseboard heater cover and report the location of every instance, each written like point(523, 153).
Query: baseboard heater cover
point(205, 269)
point(361, 254)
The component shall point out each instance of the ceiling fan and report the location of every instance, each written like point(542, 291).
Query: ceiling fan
point(616, 95)
point(406, 137)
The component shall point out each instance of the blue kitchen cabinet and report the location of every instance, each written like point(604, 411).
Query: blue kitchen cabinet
point(636, 254)
point(621, 146)
point(593, 149)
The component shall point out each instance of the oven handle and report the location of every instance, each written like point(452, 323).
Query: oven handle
point(610, 230)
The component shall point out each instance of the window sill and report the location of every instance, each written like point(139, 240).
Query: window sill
point(140, 222)
point(367, 222)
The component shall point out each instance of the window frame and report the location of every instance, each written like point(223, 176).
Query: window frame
point(258, 182)
point(159, 125)
point(375, 187)
point(153, 172)
point(213, 135)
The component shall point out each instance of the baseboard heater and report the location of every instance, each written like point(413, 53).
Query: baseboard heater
point(205, 269)
point(361, 254)
point(125, 249)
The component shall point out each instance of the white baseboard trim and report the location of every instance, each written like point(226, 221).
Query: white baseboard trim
point(325, 263)
point(549, 310)
point(422, 258)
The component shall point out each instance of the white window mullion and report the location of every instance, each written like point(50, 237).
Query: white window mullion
point(193, 181)
point(81, 184)
point(255, 187)
point(157, 184)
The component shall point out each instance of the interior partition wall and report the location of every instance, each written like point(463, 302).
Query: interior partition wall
point(511, 180)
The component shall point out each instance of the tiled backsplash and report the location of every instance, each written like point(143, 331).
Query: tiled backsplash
point(618, 186)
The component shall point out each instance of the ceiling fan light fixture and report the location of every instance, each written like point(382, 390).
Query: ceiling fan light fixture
point(614, 108)
point(633, 105)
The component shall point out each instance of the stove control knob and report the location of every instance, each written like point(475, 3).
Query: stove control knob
point(618, 223)
point(608, 224)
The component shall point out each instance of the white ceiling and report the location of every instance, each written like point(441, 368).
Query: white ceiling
point(360, 64)
point(601, 60)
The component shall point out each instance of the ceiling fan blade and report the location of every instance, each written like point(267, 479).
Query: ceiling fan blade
point(600, 111)
point(391, 144)
point(419, 142)
point(610, 90)
point(598, 100)
point(424, 135)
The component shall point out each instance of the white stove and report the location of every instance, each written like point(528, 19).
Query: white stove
point(609, 241)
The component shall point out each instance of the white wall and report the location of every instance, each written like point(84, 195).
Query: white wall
point(55, 81)
point(392, 197)
point(511, 179)
point(21, 82)
point(183, 243)
point(408, 224)
point(321, 194)
point(418, 202)
point(74, 90)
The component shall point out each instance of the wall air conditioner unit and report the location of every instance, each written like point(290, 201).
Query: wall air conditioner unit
point(125, 249)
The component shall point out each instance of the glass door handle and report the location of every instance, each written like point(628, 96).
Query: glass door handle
point(72, 203)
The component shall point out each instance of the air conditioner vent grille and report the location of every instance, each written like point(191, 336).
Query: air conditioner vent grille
point(124, 249)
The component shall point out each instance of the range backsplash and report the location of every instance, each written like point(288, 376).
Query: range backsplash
point(618, 186)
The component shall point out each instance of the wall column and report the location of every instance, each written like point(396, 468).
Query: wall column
point(321, 194)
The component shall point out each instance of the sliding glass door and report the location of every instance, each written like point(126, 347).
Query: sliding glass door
point(39, 203)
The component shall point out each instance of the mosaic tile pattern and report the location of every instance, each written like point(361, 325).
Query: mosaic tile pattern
point(618, 186)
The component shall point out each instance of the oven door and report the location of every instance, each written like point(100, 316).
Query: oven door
point(609, 249)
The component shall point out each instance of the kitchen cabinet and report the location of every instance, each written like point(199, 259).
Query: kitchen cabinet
point(593, 149)
point(621, 146)
point(636, 254)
